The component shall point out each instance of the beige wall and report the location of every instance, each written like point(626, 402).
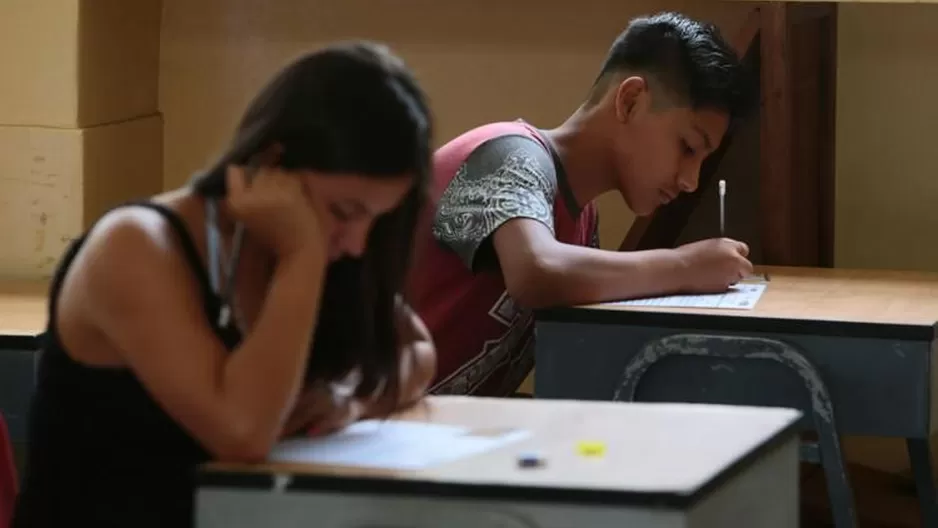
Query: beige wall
point(887, 114)
point(78, 125)
point(535, 62)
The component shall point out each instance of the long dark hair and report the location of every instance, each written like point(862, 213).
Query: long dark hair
point(349, 108)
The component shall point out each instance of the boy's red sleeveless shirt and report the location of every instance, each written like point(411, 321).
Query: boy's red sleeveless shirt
point(483, 178)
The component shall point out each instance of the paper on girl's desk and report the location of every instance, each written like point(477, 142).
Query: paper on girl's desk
point(742, 296)
point(392, 444)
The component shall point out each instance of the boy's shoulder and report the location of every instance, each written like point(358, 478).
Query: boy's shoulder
point(488, 147)
point(467, 143)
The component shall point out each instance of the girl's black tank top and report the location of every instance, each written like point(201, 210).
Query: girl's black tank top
point(101, 451)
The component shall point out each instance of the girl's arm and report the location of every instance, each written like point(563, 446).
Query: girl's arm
point(417, 357)
point(136, 290)
point(320, 411)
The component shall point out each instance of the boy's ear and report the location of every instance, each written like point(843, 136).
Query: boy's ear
point(631, 93)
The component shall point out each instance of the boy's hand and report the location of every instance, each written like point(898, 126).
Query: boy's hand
point(713, 265)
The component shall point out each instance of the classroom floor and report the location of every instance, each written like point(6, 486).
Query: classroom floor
point(883, 500)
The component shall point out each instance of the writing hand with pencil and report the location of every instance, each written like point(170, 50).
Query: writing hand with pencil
point(713, 265)
point(716, 264)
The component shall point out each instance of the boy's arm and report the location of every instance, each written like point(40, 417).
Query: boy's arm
point(505, 178)
point(540, 272)
point(497, 215)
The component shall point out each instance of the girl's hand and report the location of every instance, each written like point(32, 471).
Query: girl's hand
point(275, 209)
point(417, 355)
point(416, 364)
point(322, 409)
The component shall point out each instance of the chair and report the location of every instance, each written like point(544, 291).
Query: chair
point(820, 411)
point(8, 479)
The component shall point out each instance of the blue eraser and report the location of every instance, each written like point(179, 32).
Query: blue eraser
point(527, 460)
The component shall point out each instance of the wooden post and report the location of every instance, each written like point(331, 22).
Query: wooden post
point(797, 133)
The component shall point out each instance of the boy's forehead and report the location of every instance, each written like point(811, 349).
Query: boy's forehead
point(711, 125)
point(705, 127)
point(707, 121)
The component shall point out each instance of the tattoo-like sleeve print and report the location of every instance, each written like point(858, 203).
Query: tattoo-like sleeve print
point(594, 238)
point(508, 177)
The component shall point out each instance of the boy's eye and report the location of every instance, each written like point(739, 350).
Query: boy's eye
point(348, 211)
point(339, 213)
point(689, 150)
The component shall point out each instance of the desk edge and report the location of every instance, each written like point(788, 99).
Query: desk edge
point(386, 485)
point(731, 323)
point(20, 341)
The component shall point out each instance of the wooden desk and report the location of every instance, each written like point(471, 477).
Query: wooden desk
point(672, 465)
point(869, 334)
point(889, 302)
point(22, 320)
point(22, 310)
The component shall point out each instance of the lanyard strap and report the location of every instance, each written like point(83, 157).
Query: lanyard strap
point(225, 291)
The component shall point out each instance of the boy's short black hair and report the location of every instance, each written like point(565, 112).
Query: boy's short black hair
point(687, 59)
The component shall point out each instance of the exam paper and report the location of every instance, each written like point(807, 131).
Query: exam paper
point(392, 444)
point(740, 297)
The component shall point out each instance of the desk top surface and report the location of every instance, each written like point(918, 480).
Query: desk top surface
point(23, 307)
point(867, 297)
point(665, 453)
point(836, 298)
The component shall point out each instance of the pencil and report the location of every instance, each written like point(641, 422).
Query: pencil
point(722, 193)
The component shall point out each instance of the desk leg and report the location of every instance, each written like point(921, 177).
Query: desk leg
point(839, 490)
point(921, 461)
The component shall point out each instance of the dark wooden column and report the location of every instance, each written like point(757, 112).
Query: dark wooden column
point(798, 82)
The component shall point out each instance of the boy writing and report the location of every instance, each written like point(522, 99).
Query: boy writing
point(514, 228)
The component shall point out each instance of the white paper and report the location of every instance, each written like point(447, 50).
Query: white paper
point(740, 297)
point(392, 444)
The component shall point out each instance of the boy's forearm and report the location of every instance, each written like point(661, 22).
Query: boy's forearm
point(575, 275)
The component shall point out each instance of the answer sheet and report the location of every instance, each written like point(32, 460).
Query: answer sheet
point(393, 444)
point(741, 296)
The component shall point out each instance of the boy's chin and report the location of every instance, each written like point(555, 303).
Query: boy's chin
point(642, 208)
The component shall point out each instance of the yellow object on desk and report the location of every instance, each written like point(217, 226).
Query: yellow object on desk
point(591, 449)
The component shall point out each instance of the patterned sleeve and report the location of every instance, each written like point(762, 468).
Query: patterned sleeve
point(505, 178)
